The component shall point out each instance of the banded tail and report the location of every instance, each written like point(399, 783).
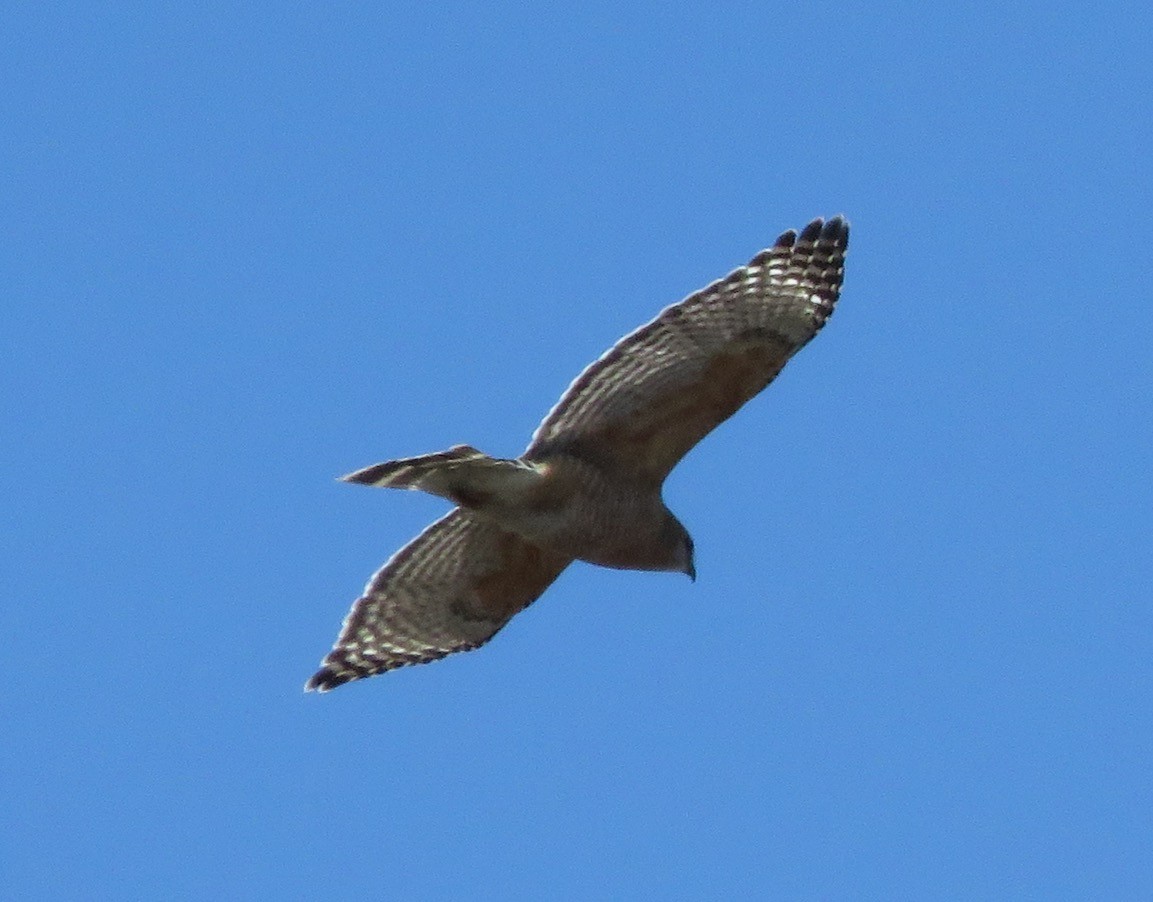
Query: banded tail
point(462, 474)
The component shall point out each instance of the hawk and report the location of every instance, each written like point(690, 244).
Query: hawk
point(588, 487)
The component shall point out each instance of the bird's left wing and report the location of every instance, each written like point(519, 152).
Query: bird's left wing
point(450, 589)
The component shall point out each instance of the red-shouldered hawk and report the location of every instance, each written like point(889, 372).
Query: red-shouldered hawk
point(588, 486)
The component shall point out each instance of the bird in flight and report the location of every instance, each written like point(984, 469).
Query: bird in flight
point(588, 487)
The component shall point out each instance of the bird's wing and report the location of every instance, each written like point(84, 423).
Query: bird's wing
point(450, 589)
point(647, 401)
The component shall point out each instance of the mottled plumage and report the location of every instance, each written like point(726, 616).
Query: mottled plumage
point(588, 486)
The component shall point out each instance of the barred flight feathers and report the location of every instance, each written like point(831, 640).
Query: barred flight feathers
point(663, 388)
point(449, 589)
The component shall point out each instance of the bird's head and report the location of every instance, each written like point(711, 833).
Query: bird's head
point(690, 564)
point(679, 544)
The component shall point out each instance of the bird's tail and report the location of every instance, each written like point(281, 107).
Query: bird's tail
point(461, 474)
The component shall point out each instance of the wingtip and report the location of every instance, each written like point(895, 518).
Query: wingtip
point(811, 232)
point(832, 230)
point(786, 239)
point(836, 228)
point(324, 680)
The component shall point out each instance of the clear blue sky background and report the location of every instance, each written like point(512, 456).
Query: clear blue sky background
point(247, 249)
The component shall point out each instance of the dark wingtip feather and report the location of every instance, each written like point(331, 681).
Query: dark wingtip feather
point(325, 680)
point(812, 231)
point(836, 229)
point(787, 239)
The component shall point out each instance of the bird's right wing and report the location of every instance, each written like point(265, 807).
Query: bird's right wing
point(661, 389)
point(450, 589)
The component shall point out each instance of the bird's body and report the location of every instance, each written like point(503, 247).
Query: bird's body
point(588, 486)
point(561, 502)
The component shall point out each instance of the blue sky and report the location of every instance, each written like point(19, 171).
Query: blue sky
point(250, 249)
